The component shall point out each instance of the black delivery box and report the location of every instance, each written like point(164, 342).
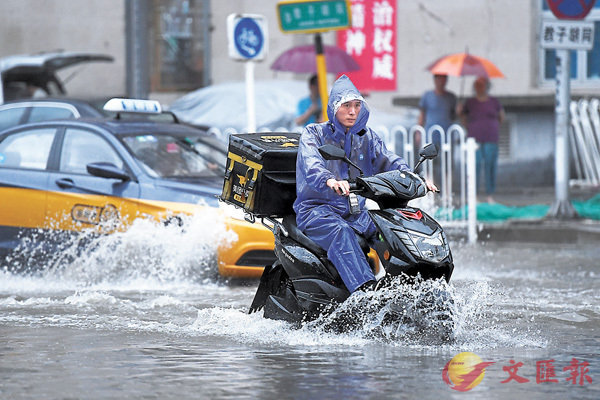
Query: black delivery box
point(261, 173)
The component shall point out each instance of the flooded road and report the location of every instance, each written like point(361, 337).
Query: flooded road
point(136, 318)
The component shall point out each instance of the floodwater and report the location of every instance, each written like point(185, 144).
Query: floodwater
point(143, 315)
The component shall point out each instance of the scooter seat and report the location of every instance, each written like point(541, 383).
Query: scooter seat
point(289, 223)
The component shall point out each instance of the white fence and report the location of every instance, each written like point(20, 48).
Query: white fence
point(457, 163)
point(584, 141)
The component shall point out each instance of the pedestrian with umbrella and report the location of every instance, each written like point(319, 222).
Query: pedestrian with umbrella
point(482, 116)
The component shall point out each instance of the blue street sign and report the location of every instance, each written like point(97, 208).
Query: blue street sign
point(248, 38)
point(570, 9)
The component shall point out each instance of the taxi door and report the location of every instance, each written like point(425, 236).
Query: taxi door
point(24, 157)
point(78, 200)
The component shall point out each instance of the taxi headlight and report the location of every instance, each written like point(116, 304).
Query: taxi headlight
point(431, 248)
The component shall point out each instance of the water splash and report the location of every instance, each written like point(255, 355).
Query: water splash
point(431, 315)
point(423, 311)
point(148, 255)
point(157, 278)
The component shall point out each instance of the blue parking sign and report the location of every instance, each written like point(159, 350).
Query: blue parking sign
point(247, 37)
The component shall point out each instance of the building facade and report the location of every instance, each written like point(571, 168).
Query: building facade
point(187, 49)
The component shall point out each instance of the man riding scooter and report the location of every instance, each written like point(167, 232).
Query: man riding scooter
point(325, 209)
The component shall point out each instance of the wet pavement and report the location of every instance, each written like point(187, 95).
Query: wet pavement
point(136, 319)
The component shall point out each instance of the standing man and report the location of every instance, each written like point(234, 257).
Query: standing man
point(322, 188)
point(309, 108)
point(437, 107)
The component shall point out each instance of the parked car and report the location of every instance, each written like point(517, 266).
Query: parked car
point(80, 173)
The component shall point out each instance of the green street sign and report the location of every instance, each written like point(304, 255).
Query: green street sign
point(307, 16)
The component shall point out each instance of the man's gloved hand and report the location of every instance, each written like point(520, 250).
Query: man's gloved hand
point(340, 187)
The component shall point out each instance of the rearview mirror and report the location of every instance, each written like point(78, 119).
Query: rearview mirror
point(331, 152)
point(429, 152)
point(107, 170)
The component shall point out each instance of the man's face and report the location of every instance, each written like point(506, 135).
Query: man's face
point(440, 81)
point(348, 112)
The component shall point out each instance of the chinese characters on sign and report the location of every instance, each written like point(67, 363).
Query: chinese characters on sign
point(567, 35)
point(312, 16)
point(371, 41)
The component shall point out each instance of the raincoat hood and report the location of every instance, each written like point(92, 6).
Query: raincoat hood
point(343, 90)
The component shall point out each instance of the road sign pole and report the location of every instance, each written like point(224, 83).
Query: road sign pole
point(250, 98)
point(562, 207)
point(247, 36)
point(315, 16)
point(321, 74)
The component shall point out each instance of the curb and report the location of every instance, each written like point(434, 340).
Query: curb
point(543, 231)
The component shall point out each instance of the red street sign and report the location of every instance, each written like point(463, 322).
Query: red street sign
point(570, 9)
point(371, 41)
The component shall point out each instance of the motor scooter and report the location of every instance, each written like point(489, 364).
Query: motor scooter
point(302, 283)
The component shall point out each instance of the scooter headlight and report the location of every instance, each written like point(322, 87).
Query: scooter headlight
point(431, 248)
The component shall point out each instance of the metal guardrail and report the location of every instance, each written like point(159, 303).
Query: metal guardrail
point(457, 163)
point(584, 141)
point(453, 161)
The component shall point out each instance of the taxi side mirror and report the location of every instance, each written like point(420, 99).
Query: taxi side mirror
point(107, 170)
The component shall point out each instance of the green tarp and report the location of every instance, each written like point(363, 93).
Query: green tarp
point(499, 212)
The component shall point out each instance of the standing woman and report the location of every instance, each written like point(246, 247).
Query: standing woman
point(482, 115)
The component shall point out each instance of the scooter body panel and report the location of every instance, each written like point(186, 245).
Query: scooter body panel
point(411, 242)
point(315, 281)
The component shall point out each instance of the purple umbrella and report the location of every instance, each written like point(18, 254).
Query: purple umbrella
point(301, 59)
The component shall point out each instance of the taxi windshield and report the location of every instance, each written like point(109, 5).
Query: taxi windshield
point(168, 156)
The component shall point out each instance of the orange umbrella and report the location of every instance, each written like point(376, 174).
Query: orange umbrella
point(461, 64)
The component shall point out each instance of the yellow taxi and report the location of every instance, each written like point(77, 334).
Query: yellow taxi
point(71, 175)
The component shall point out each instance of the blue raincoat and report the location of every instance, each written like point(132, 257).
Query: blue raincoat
point(323, 215)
